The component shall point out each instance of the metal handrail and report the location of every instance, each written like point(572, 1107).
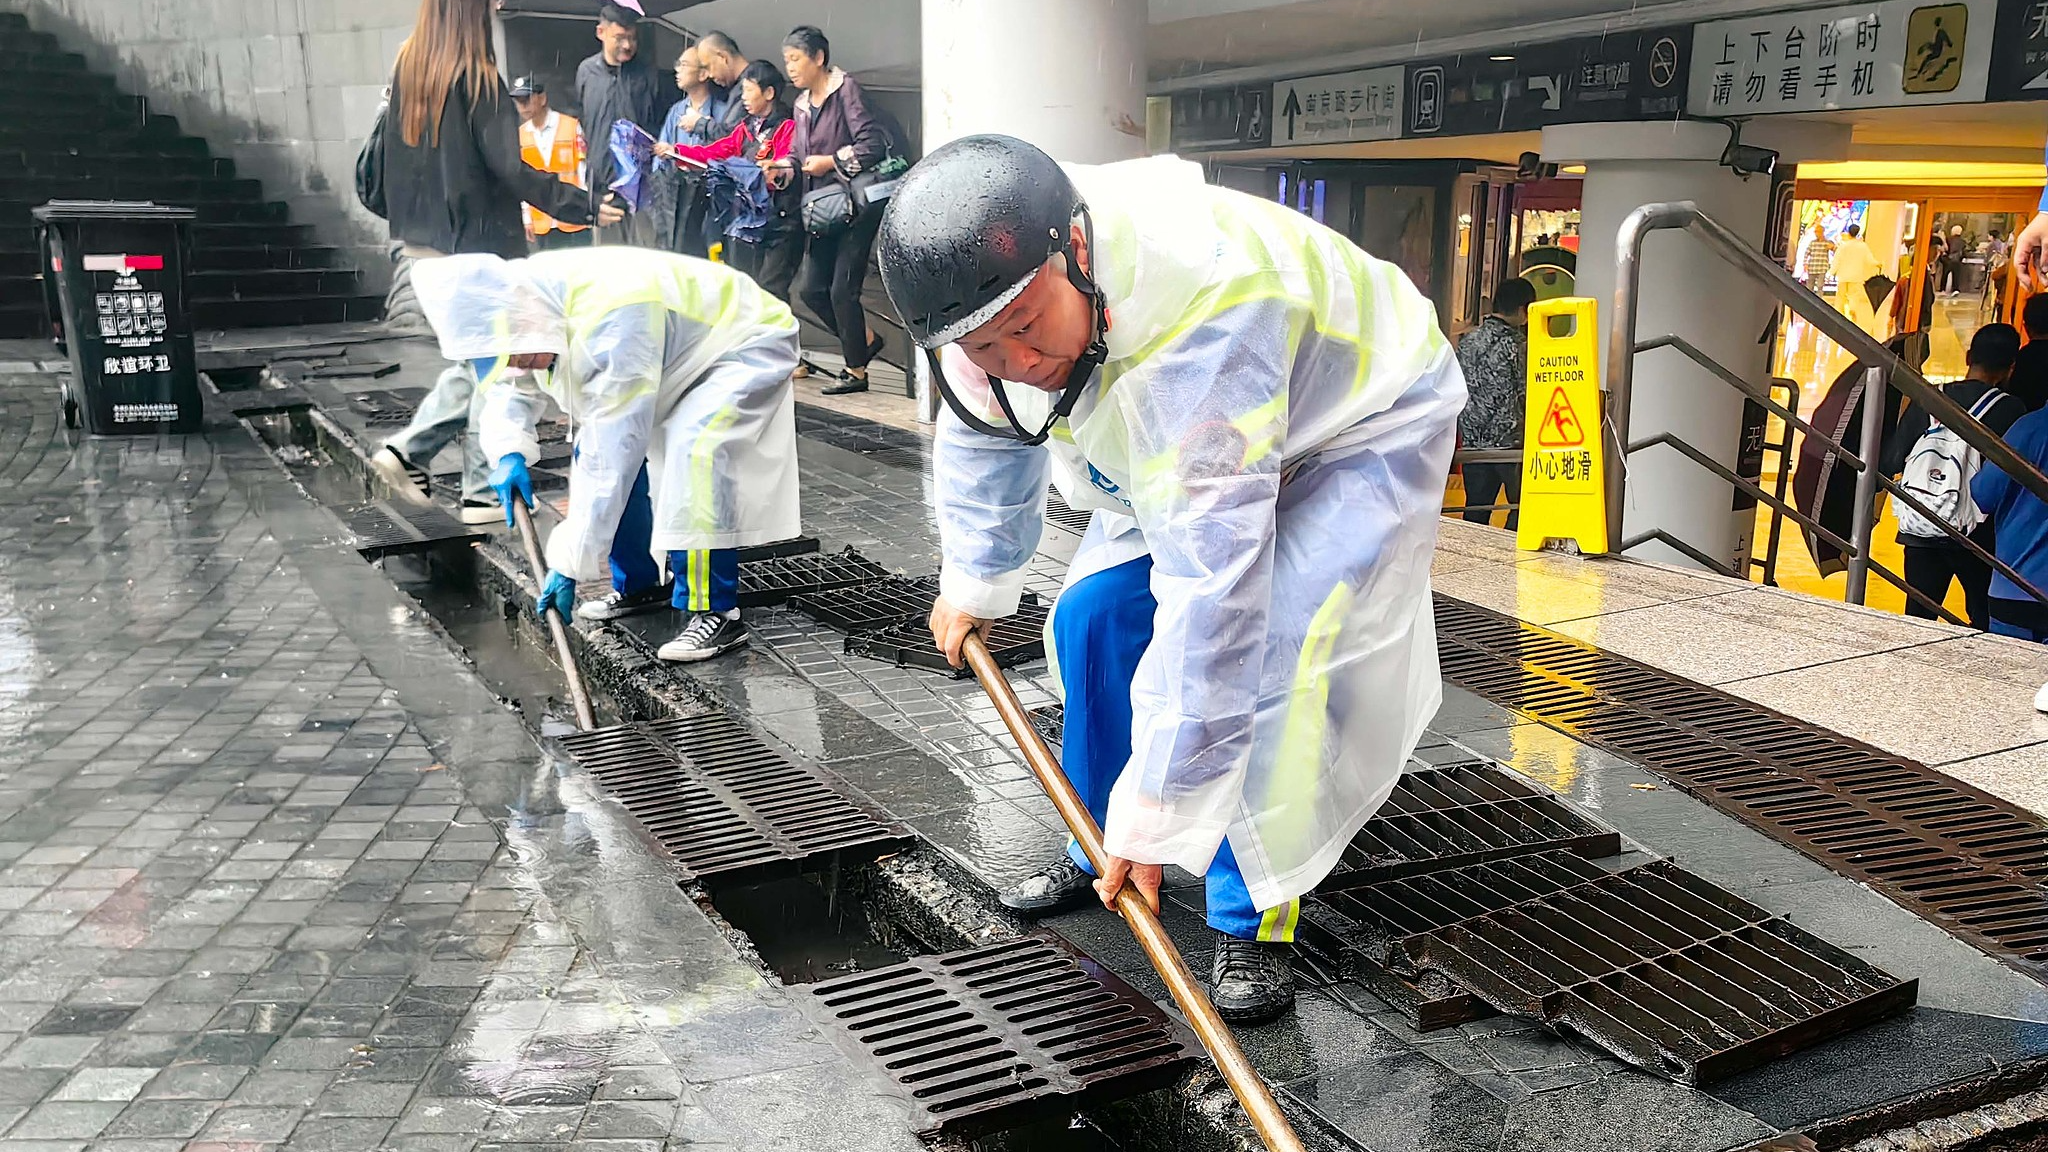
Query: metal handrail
point(1883, 368)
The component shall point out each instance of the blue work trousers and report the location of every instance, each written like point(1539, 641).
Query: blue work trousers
point(707, 579)
point(1101, 627)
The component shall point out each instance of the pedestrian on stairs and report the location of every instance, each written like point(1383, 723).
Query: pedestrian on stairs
point(454, 181)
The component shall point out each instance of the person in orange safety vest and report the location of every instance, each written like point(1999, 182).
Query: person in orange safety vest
point(552, 142)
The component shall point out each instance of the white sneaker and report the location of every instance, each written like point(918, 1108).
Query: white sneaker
point(481, 512)
point(2041, 699)
point(707, 634)
point(406, 480)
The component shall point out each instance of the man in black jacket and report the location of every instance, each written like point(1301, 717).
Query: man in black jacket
point(720, 55)
point(617, 83)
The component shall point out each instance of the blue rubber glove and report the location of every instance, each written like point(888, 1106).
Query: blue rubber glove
point(558, 593)
point(510, 477)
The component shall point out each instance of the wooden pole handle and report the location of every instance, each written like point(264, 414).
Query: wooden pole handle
point(586, 718)
point(1252, 1092)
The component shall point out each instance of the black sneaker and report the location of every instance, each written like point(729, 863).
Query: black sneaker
point(1062, 887)
point(1250, 982)
point(615, 603)
point(707, 634)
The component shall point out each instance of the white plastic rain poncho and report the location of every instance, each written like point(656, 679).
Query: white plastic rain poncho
point(1277, 413)
point(679, 362)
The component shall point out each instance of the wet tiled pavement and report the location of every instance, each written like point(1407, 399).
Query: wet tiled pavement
point(291, 877)
point(277, 872)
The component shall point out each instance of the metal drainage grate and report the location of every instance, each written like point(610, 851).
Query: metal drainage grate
point(1664, 969)
point(725, 805)
point(995, 1037)
point(794, 546)
point(1960, 857)
point(1057, 512)
point(1014, 640)
point(772, 581)
point(382, 530)
point(387, 407)
point(1463, 814)
point(872, 606)
point(1050, 723)
point(1363, 929)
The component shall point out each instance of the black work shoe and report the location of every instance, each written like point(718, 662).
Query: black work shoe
point(615, 603)
point(1062, 887)
point(707, 634)
point(847, 385)
point(1250, 982)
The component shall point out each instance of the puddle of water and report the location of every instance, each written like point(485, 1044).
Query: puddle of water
point(799, 931)
point(506, 661)
point(1079, 1134)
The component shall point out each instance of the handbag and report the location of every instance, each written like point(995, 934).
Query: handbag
point(370, 164)
point(831, 209)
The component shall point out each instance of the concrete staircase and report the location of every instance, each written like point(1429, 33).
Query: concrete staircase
point(70, 134)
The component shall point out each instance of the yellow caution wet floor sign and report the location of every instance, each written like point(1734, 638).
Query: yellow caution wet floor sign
point(1564, 496)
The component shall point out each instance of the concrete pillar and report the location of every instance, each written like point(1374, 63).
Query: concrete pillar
point(1066, 75)
point(1688, 292)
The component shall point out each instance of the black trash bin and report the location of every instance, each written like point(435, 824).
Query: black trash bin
point(119, 272)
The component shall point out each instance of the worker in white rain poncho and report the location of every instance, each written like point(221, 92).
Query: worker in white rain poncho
point(656, 358)
point(1249, 657)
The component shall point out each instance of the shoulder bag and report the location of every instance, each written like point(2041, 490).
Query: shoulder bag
point(370, 164)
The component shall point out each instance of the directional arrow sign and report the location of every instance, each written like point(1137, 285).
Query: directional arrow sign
point(1548, 85)
point(1341, 107)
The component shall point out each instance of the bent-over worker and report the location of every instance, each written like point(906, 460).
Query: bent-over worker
point(1250, 656)
point(655, 357)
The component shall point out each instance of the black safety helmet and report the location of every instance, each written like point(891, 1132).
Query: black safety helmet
point(965, 232)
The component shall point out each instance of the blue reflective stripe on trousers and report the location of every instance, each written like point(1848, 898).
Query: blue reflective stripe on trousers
point(1101, 627)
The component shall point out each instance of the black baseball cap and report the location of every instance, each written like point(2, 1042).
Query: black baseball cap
point(528, 86)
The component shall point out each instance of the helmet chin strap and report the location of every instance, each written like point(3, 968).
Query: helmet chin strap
point(1091, 359)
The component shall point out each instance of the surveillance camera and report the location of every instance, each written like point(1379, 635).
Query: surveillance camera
point(1748, 160)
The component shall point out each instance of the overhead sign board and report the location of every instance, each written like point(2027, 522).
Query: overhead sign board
point(1341, 108)
point(1889, 54)
point(1633, 75)
point(2019, 52)
point(1221, 118)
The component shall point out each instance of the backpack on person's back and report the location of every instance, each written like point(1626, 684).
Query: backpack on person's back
point(1938, 475)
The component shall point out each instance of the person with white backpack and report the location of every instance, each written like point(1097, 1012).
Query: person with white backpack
point(1936, 465)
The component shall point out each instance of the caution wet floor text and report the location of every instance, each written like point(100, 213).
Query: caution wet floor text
point(1563, 475)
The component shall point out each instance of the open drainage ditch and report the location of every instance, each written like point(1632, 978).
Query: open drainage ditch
point(799, 929)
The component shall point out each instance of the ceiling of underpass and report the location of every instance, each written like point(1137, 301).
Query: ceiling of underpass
point(1198, 42)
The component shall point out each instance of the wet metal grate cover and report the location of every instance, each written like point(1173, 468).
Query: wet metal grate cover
point(387, 407)
point(1960, 857)
point(725, 805)
point(1463, 814)
point(1057, 512)
point(1013, 640)
point(265, 401)
point(772, 581)
point(1050, 723)
point(872, 606)
point(1362, 929)
point(995, 1037)
point(382, 530)
point(1660, 967)
point(794, 546)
